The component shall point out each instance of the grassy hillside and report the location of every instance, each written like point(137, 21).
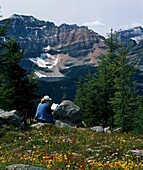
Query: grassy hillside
point(70, 148)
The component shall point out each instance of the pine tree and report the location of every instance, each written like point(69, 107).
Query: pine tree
point(87, 99)
point(107, 67)
point(138, 119)
point(125, 97)
point(15, 87)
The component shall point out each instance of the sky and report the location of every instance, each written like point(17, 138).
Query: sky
point(99, 15)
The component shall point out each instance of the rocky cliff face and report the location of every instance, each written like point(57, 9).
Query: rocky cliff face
point(134, 38)
point(49, 49)
point(134, 35)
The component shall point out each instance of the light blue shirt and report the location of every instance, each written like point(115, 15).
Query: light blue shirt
point(43, 113)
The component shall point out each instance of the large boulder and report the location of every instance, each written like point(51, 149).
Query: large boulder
point(9, 119)
point(69, 113)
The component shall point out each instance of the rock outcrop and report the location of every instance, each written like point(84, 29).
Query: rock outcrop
point(9, 119)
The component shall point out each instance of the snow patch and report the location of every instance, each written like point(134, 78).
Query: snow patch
point(39, 74)
point(29, 38)
point(15, 16)
point(47, 48)
point(137, 30)
point(56, 61)
point(40, 62)
point(137, 39)
point(45, 60)
point(47, 55)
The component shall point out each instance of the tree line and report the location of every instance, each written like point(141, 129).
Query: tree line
point(109, 97)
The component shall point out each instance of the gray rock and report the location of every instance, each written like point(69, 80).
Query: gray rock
point(1, 111)
point(137, 152)
point(23, 167)
point(9, 118)
point(105, 147)
point(97, 129)
point(60, 124)
point(69, 113)
point(107, 130)
point(139, 140)
point(39, 125)
point(118, 130)
point(90, 150)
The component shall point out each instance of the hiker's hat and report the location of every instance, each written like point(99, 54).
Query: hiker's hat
point(47, 98)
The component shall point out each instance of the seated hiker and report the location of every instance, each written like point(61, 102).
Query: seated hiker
point(44, 112)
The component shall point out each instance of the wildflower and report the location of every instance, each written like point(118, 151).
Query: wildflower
point(68, 166)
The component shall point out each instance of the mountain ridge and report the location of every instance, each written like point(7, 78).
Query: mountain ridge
point(43, 41)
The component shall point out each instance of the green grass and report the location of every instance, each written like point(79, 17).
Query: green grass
point(70, 148)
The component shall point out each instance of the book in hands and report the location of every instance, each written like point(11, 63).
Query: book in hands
point(54, 106)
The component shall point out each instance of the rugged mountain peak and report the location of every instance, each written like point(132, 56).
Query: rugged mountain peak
point(136, 30)
point(134, 35)
point(22, 17)
point(67, 27)
point(30, 20)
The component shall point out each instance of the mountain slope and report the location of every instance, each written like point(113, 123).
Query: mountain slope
point(50, 49)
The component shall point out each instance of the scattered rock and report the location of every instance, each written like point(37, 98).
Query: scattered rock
point(107, 130)
point(60, 124)
point(39, 125)
point(97, 129)
point(90, 150)
point(105, 147)
point(23, 167)
point(118, 130)
point(84, 124)
point(137, 152)
point(139, 140)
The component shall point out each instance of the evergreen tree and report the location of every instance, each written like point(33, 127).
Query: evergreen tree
point(125, 97)
point(4, 91)
point(15, 87)
point(107, 67)
point(138, 119)
point(87, 99)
